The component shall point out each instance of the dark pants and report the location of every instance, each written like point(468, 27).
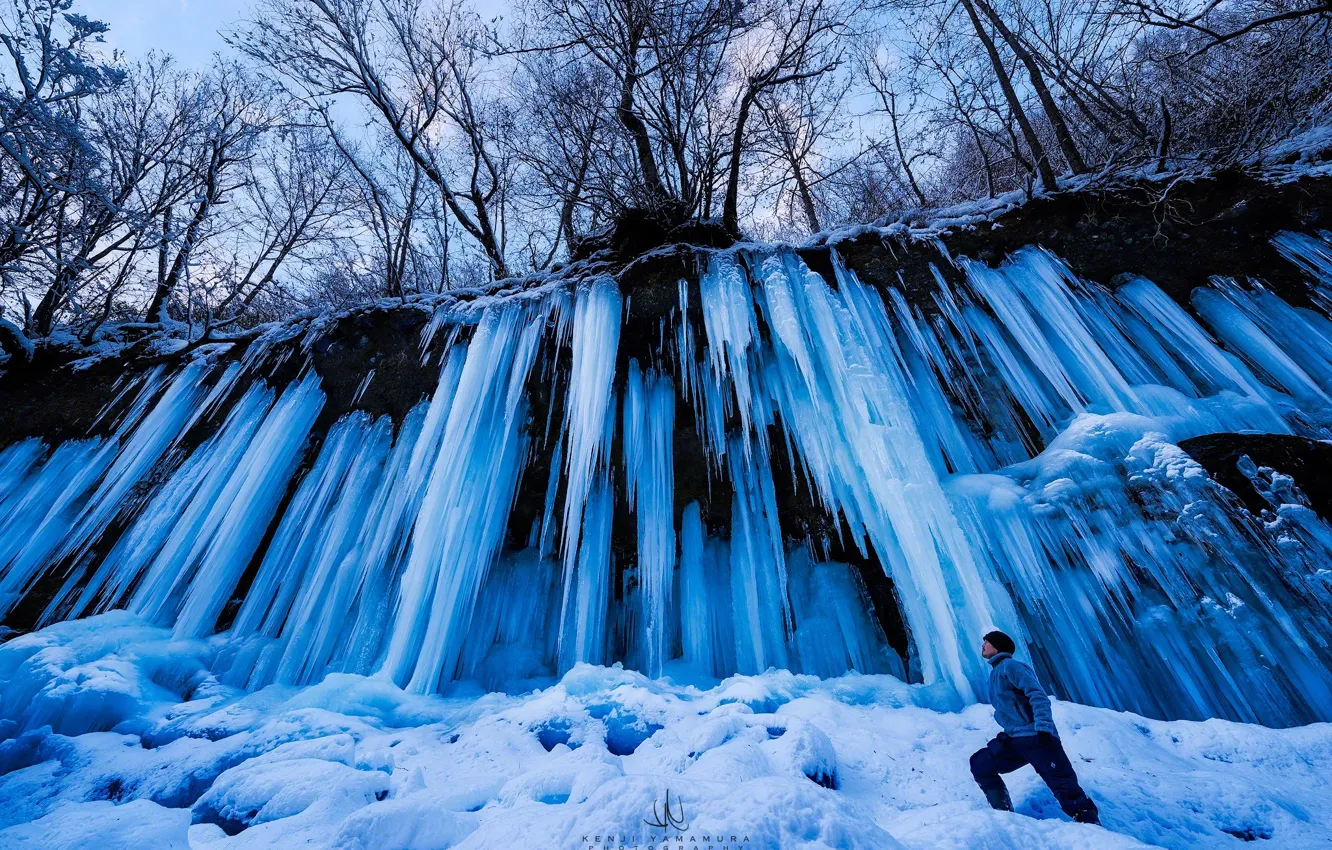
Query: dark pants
point(1046, 754)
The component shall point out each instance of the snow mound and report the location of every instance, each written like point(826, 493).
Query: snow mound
point(115, 735)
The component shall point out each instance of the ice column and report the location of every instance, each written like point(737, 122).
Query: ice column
point(463, 515)
point(845, 401)
point(705, 597)
point(649, 462)
point(759, 604)
point(236, 521)
point(589, 424)
point(583, 635)
point(588, 417)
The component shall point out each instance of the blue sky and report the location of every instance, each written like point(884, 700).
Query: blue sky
point(187, 29)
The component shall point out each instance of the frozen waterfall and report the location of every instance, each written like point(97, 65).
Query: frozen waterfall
point(1001, 453)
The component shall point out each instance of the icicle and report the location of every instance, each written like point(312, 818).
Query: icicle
point(588, 413)
point(846, 403)
point(1030, 296)
point(511, 642)
point(160, 428)
point(958, 450)
point(332, 579)
point(834, 633)
point(149, 556)
point(1184, 339)
point(41, 508)
point(237, 519)
point(732, 330)
point(546, 531)
point(60, 514)
point(649, 462)
point(702, 392)
point(1116, 605)
point(1228, 313)
point(462, 519)
point(705, 598)
point(759, 602)
point(1311, 253)
point(583, 637)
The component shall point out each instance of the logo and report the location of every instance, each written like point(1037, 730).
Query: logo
point(668, 829)
point(670, 818)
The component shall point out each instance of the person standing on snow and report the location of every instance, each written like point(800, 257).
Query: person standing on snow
point(1022, 708)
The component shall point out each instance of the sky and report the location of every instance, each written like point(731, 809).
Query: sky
point(188, 29)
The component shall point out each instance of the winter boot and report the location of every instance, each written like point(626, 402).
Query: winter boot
point(999, 799)
point(1088, 814)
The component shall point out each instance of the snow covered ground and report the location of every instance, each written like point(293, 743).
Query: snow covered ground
point(119, 737)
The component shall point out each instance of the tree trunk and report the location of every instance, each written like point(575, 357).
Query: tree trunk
point(1029, 135)
point(44, 318)
point(166, 285)
point(647, 163)
point(731, 206)
point(901, 153)
point(1052, 111)
point(1163, 146)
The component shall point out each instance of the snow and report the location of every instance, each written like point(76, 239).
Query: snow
point(140, 824)
point(777, 760)
point(398, 669)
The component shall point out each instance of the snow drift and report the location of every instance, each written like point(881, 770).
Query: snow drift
point(753, 762)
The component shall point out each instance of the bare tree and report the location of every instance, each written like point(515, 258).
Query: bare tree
point(141, 130)
point(1216, 20)
point(417, 68)
point(46, 164)
point(667, 60)
point(571, 152)
point(295, 198)
point(797, 41)
point(232, 111)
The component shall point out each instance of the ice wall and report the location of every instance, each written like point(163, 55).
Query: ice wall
point(1004, 452)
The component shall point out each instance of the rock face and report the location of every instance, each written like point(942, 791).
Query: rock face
point(1179, 237)
point(860, 454)
point(1308, 462)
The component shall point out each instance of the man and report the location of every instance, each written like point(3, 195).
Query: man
point(1022, 708)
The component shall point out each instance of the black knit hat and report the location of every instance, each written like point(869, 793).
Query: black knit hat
point(1001, 641)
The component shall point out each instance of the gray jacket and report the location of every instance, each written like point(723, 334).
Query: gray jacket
point(1020, 704)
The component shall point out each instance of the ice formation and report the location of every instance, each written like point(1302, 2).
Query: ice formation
point(1003, 453)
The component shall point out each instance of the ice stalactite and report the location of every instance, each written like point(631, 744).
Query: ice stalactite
point(583, 634)
point(588, 414)
point(310, 575)
point(464, 512)
point(40, 497)
point(835, 633)
point(68, 501)
point(512, 641)
point(193, 579)
point(589, 425)
point(706, 624)
point(1002, 447)
point(649, 462)
point(760, 607)
point(843, 397)
point(1115, 574)
point(733, 344)
point(161, 427)
point(1311, 253)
